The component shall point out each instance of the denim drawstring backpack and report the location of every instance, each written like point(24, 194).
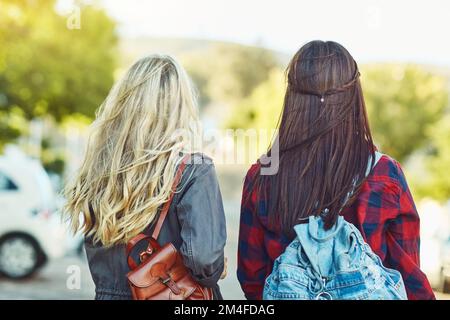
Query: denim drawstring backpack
point(334, 264)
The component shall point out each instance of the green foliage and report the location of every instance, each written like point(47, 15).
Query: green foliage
point(433, 180)
point(8, 127)
point(47, 69)
point(403, 102)
point(261, 110)
point(52, 160)
point(228, 72)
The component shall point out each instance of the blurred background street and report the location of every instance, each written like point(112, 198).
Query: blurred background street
point(59, 59)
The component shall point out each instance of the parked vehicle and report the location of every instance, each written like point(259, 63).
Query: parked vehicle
point(435, 243)
point(30, 230)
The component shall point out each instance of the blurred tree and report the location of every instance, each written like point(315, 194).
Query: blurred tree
point(434, 180)
point(200, 73)
point(403, 103)
point(52, 159)
point(229, 72)
point(262, 108)
point(49, 69)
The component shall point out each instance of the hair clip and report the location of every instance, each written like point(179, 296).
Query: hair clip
point(329, 92)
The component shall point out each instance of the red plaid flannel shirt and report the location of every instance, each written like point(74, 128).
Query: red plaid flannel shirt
point(384, 212)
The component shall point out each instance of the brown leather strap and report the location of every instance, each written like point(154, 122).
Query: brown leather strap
point(172, 285)
point(134, 241)
point(152, 245)
point(166, 206)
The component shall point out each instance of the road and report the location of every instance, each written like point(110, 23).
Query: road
point(51, 282)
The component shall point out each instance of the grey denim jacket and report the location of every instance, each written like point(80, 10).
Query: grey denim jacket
point(195, 225)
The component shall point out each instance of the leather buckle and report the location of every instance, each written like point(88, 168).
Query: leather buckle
point(167, 280)
point(172, 285)
point(159, 270)
point(145, 254)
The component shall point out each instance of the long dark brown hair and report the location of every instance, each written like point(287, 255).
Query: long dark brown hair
point(324, 139)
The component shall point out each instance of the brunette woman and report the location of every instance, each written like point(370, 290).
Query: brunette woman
point(325, 144)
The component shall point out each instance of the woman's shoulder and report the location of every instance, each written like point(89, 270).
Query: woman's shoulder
point(199, 164)
point(252, 172)
point(389, 170)
point(198, 173)
point(387, 167)
point(200, 160)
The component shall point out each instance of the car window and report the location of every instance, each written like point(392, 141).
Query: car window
point(6, 183)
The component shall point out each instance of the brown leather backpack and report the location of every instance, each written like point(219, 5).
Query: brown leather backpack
point(161, 274)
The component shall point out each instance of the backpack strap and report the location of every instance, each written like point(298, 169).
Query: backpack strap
point(166, 207)
point(152, 243)
point(378, 156)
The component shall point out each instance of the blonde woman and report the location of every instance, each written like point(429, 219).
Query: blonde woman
point(146, 124)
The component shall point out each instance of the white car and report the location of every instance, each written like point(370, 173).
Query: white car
point(30, 230)
point(435, 243)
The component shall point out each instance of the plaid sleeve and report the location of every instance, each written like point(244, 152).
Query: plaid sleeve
point(403, 243)
point(252, 258)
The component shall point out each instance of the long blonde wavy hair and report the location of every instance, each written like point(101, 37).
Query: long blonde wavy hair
point(148, 120)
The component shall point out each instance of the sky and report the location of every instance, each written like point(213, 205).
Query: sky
point(372, 30)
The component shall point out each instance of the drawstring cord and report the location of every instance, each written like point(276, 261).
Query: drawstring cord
point(318, 285)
